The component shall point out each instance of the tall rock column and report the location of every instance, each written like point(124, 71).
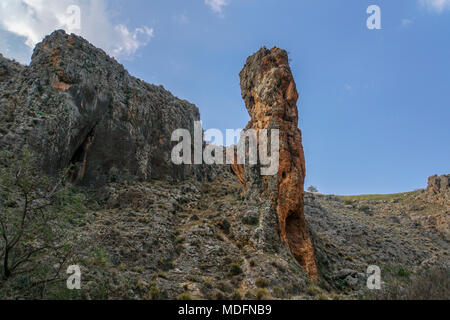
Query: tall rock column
point(270, 94)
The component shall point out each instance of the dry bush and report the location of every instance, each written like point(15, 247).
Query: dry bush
point(432, 283)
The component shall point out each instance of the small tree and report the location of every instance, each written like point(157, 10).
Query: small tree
point(312, 189)
point(36, 212)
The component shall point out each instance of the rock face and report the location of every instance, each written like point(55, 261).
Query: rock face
point(76, 105)
point(438, 189)
point(8, 68)
point(437, 194)
point(270, 94)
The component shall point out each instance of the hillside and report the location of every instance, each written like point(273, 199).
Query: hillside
point(87, 179)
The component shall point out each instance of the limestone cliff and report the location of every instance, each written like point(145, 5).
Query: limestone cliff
point(76, 105)
point(270, 94)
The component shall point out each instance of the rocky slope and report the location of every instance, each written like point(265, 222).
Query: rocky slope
point(203, 240)
point(153, 230)
point(207, 240)
point(350, 234)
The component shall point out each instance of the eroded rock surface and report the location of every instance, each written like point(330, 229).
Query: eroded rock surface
point(438, 189)
point(270, 94)
point(76, 105)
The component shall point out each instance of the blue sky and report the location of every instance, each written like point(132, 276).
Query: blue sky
point(374, 104)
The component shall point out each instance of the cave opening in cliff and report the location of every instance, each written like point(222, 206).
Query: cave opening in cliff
point(79, 157)
point(294, 231)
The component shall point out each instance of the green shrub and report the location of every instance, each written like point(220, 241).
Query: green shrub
point(313, 290)
point(225, 225)
point(207, 283)
point(219, 295)
point(403, 272)
point(262, 283)
point(278, 292)
point(250, 219)
point(185, 296)
point(262, 294)
point(224, 286)
point(154, 293)
point(235, 269)
point(165, 264)
point(365, 209)
point(236, 295)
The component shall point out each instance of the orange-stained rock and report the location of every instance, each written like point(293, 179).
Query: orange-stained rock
point(61, 86)
point(270, 94)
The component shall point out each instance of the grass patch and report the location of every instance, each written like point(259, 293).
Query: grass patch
point(185, 296)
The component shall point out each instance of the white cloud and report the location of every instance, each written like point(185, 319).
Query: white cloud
point(31, 20)
point(217, 5)
point(436, 5)
point(129, 42)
